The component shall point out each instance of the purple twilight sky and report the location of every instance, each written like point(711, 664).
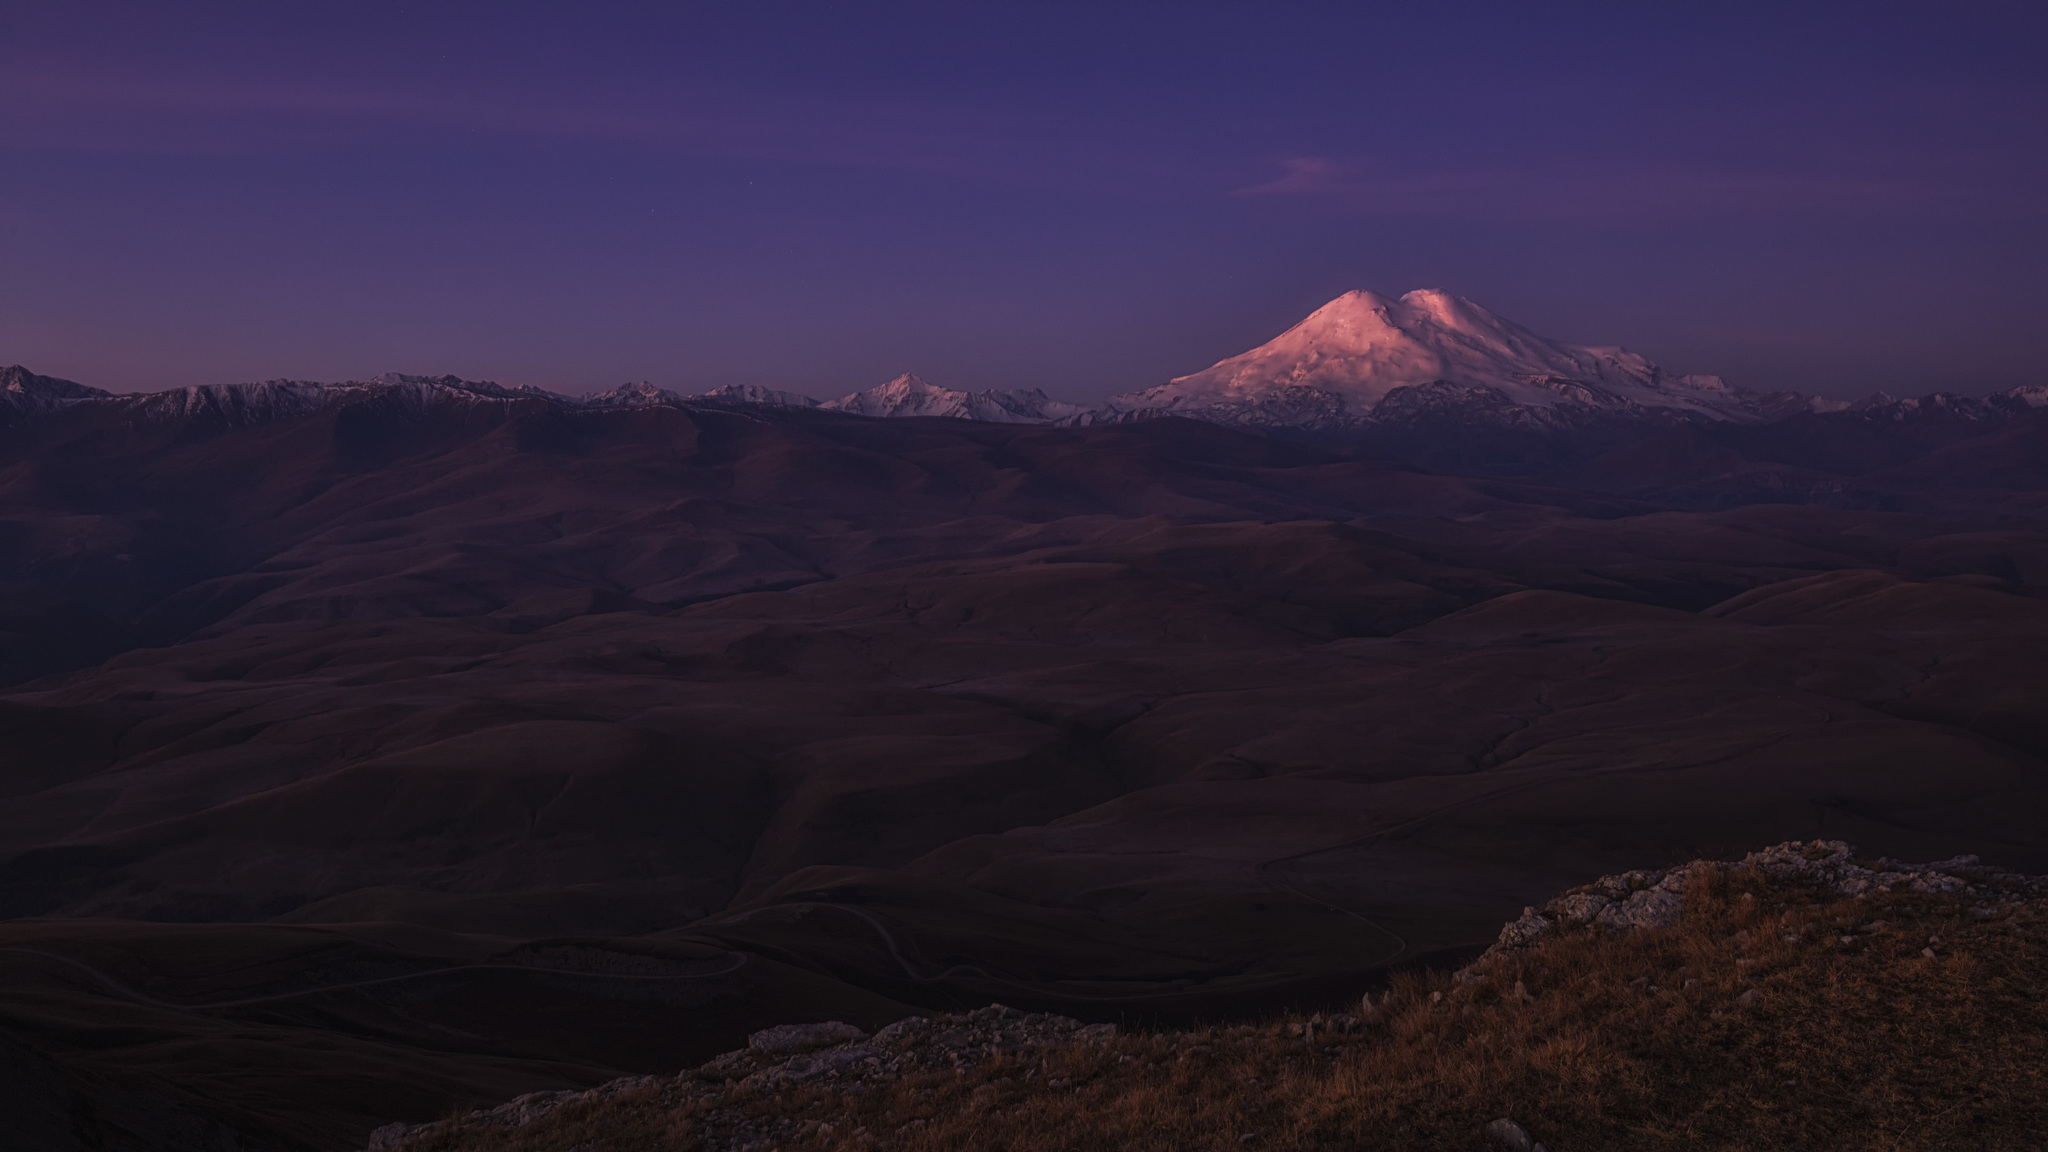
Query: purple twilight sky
point(1084, 198)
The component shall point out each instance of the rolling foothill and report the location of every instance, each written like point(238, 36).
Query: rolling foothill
point(374, 749)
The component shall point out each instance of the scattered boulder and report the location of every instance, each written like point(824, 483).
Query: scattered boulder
point(903, 1029)
point(1580, 907)
point(1512, 1137)
point(811, 1066)
point(1830, 864)
point(802, 1037)
point(1650, 908)
point(1523, 932)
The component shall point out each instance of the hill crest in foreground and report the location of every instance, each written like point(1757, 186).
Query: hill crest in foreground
point(1796, 998)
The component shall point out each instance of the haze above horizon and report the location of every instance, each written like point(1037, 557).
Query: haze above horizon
point(1087, 200)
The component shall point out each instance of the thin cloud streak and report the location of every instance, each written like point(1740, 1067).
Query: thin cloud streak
point(1585, 191)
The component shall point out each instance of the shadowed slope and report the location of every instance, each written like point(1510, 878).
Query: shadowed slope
point(1158, 717)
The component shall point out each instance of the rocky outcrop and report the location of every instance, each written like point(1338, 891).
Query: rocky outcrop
point(742, 1100)
point(1656, 899)
point(830, 1052)
point(784, 1038)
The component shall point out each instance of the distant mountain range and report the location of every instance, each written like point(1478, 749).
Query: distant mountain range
point(1363, 363)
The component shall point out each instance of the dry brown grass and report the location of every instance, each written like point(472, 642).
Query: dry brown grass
point(1865, 1045)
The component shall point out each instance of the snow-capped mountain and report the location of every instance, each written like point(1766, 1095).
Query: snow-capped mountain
point(1884, 407)
point(269, 400)
point(24, 391)
point(642, 394)
point(906, 395)
point(909, 395)
point(26, 394)
point(638, 394)
point(754, 394)
point(1365, 358)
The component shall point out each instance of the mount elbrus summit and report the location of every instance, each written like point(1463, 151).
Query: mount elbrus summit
point(378, 749)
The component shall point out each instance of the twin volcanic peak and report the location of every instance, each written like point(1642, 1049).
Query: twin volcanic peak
point(1361, 361)
point(1354, 355)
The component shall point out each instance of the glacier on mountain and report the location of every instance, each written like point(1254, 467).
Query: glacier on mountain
point(1368, 358)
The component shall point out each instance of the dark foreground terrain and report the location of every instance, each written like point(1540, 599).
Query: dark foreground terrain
point(429, 748)
point(1755, 1008)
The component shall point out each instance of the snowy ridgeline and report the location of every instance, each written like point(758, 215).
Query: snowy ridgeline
point(1358, 361)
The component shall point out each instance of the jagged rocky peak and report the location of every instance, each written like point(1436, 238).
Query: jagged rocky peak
point(635, 394)
point(264, 401)
point(1883, 407)
point(755, 394)
point(1362, 348)
point(909, 395)
point(642, 394)
point(24, 389)
point(445, 380)
point(456, 383)
point(905, 395)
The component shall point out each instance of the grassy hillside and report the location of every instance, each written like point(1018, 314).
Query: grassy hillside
point(1771, 1012)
